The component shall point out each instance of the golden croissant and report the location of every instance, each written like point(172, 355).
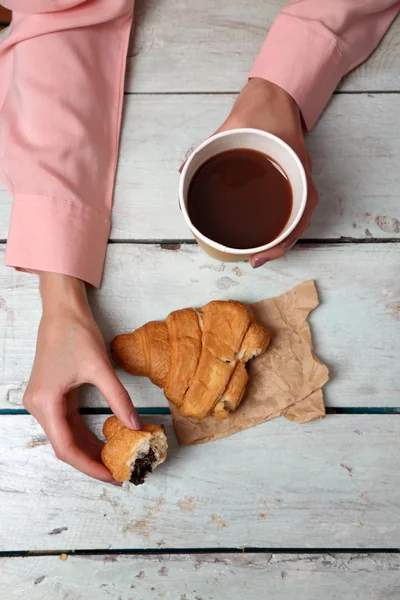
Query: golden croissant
point(197, 356)
point(132, 455)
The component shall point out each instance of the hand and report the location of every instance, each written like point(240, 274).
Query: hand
point(70, 351)
point(263, 105)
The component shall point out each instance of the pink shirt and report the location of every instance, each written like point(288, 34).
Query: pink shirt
point(62, 71)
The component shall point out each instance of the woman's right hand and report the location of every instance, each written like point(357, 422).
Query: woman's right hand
point(263, 105)
point(70, 352)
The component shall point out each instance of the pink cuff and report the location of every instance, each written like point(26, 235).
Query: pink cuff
point(302, 60)
point(60, 236)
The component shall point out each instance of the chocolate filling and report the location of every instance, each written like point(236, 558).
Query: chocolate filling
point(143, 465)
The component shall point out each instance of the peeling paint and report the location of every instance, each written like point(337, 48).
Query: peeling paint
point(218, 522)
point(144, 526)
point(14, 395)
point(394, 310)
point(217, 268)
point(388, 224)
point(187, 505)
point(267, 502)
point(40, 440)
point(225, 283)
point(173, 247)
point(3, 306)
point(349, 469)
point(262, 516)
point(107, 497)
point(57, 531)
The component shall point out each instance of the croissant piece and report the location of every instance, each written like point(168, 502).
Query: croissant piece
point(197, 356)
point(185, 339)
point(132, 455)
point(147, 353)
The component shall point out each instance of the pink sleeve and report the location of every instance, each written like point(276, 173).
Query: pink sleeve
point(62, 73)
point(312, 44)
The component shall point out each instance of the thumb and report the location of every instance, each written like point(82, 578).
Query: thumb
point(257, 260)
point(118, 398)
point(276, 252)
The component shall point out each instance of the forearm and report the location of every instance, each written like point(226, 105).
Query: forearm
point(60, 112)
point(313, 43)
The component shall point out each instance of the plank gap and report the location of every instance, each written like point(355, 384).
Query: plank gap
point(303, 242)
point(186, 551)
point(84, 410)
point(236, 91)
point(330, 410)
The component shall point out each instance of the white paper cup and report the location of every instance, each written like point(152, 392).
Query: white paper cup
point(252, 139)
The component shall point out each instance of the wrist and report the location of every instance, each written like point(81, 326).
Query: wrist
point(63, 293)
point(264, 105)
point(273, 95)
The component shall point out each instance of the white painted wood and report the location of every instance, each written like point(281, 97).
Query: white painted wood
point(202, 577)
point(355, 150)
point(356, 329)
point(183, 45)
point(329, 484)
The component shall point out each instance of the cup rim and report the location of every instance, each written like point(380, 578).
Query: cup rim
point(283, 235)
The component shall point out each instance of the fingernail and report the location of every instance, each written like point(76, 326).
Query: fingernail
point(116, 483)
point(289, 244)
point(136, 420)
point(259, 262)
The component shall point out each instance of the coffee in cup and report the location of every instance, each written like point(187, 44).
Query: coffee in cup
point(242, 191)
point(240, 198)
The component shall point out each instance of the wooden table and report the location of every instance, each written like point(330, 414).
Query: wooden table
point(279, 511)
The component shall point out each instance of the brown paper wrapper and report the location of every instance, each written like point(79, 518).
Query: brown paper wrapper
point(286, 380)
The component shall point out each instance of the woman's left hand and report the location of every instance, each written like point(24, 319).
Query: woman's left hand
point(263, 105)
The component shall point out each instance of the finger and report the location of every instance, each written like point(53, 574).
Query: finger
point(277, 251)
point(261, 258)
point(89, 442)
point(117, 397)
point(280, 250)
point(66, 443)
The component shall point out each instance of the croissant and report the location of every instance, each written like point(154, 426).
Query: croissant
point(197, 356)
point(132, 455)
